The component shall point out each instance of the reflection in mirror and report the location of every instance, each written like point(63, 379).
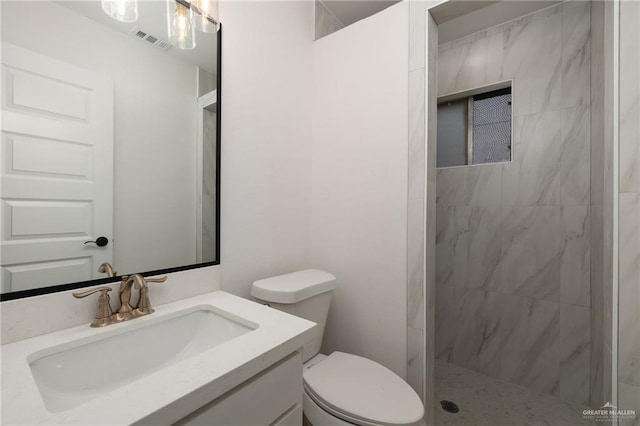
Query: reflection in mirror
point(110, 146)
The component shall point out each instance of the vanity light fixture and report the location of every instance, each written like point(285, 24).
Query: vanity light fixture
point(205, 15)
point(179, 24)
point(121, 10)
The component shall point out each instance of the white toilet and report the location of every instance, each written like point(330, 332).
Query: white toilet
point(340, 388)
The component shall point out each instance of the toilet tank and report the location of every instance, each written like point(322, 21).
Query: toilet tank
point(306, 294)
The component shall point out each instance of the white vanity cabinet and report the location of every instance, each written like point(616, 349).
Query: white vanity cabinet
point(272, 397)
point(253, 379)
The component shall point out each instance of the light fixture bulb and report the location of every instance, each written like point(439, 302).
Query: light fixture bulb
point(205, 15)
point(180, 28)
point(121, 10)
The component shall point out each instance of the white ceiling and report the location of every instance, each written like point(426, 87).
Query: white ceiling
point(449, 10)
point(461, 18)
point(350, 11)
point(455, 18)
point(152, 19)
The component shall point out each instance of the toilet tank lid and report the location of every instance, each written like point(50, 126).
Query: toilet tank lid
point(293, 287)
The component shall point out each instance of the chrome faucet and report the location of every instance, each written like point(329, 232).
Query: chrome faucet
point(126, 312)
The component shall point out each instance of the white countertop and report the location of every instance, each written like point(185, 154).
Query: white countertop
point(165, 396)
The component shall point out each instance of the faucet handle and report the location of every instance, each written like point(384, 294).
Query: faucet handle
point(82, 294)
point(144, 304)
point(103, 315)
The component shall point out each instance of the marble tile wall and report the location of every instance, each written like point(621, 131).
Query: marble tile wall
point(629, 211)
point(419, 294)
point(209, 187)
point(421, 223)
point(629, 94)
point(601, 247)
point(430, 213)
point(513, 241)
point(629, 290)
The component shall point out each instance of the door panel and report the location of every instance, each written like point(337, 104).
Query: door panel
point(46, 219)
point(57, 170)
point(37, 156)
point(42, 274)
point(37, 93)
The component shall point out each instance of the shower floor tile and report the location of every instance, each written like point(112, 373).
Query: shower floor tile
point(485, 401)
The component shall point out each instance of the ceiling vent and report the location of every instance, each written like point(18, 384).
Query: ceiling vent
point(142, 35)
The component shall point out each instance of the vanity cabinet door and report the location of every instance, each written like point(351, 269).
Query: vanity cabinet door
point(293, 417)
point(270, 397)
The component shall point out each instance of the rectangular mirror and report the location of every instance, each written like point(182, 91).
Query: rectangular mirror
point(110, 146)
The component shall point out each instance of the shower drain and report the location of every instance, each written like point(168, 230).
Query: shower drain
point(449, 407)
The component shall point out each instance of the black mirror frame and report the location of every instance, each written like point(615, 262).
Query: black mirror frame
point(72, 286)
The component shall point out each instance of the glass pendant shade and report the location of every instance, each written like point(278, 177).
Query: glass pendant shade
point(121, 10)
point(205, 15)
point(180, 27)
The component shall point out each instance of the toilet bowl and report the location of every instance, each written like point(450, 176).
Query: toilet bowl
point(339, 388)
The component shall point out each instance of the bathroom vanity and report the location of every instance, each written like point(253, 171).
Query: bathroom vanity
point(209, 359)
point(90, 128)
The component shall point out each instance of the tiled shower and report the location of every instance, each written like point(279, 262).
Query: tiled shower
point(525, 249)
point(513, 240)
point(521, 255)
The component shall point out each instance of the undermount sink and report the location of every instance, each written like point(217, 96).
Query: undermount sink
point(69, 376)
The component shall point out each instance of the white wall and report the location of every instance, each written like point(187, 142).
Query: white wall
point(155, 128)
point(352, 169)
point(33, 316)
point(359, 183)
point(266, 140)
point(356, 174)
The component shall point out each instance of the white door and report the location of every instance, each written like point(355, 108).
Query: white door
point(56, 171)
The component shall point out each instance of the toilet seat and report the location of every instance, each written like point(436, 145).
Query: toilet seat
point(361, 391)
